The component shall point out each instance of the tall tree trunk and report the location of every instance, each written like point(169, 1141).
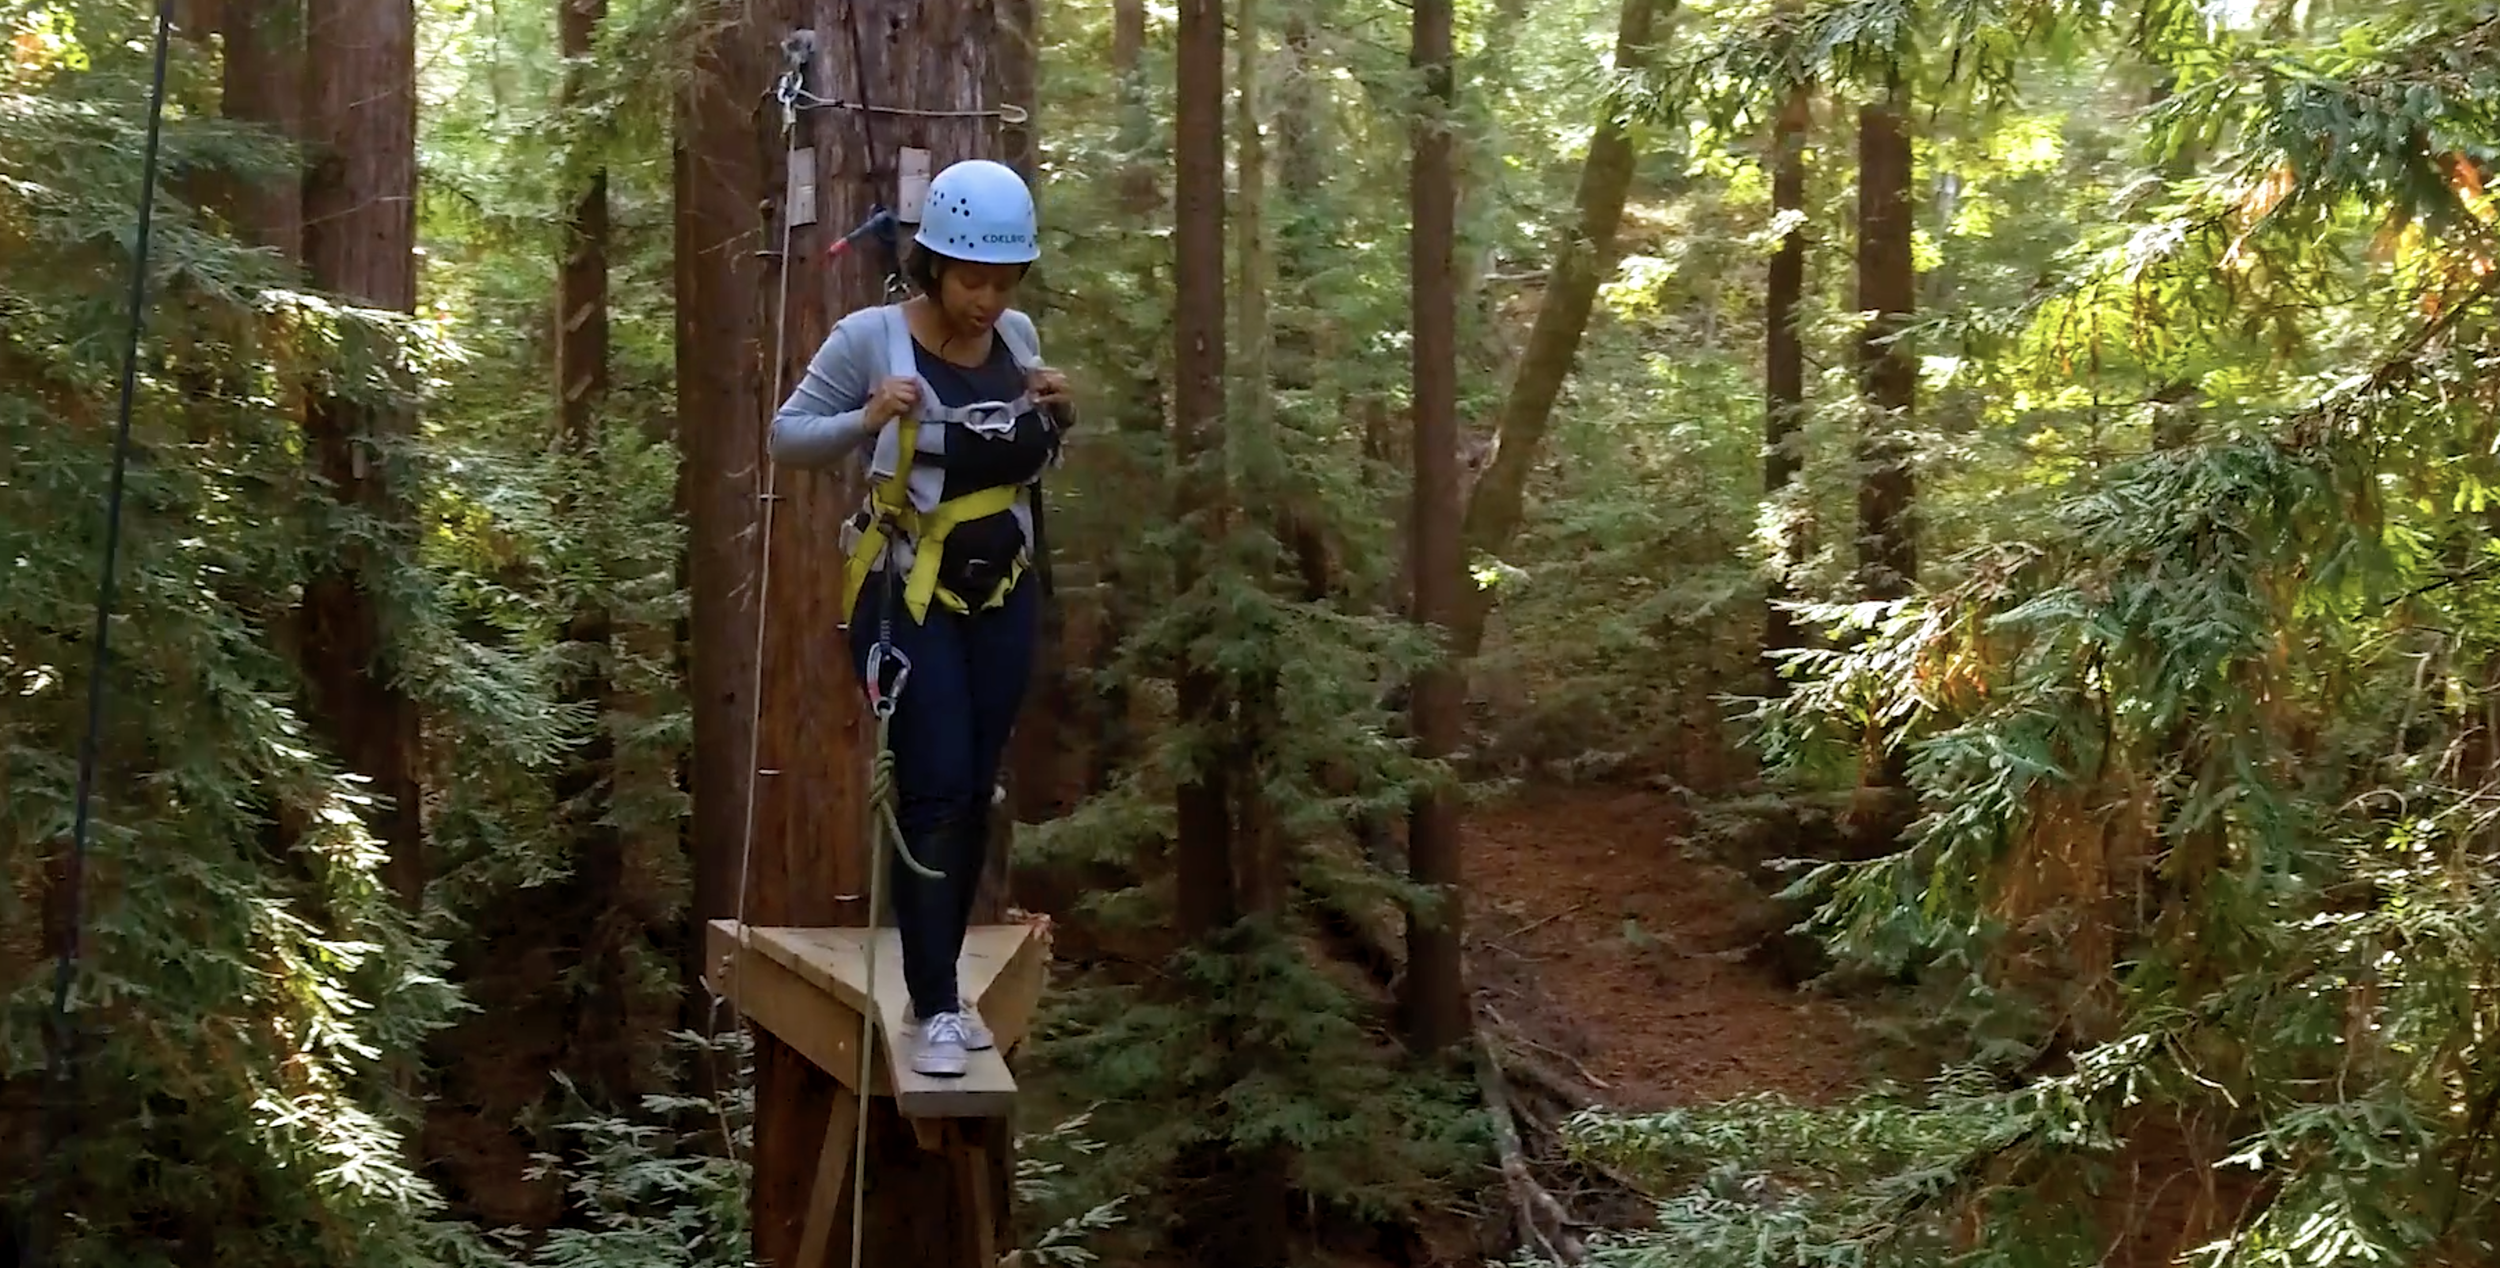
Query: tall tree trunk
point(263, 82)
point(1209, 902)
point(1139, 192)
point(1581, 261)
point(1138, 401)
point(600, 1044)
point(1784, 371)
point(717, 178)
point(1037, 762)
point(1258, 852)
point(1888, 374)
point(360, 231)
point(1888, 381)
point(1436, 995)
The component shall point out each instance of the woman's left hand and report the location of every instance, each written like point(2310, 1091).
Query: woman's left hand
point(1049, 387)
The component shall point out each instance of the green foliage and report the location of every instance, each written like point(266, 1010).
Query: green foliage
point(2199, 730)
point(658, 1189)
point(1305, 1078)
point(249, 993)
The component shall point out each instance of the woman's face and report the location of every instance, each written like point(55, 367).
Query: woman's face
point(974, 294)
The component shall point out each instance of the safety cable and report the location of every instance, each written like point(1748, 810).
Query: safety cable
point(61, 1070)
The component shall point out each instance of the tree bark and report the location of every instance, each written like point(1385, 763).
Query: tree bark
point(263, 82)
point(1259, 861)
point(1581, 262)
point(1888, 382)
point(1208, 901)
point(601, 1046)
point(1888, 374)
point(1784, 371)
point(1139, 400)
point(810, 850)
point(360, 229)
point(1037, 761)
point(717, 178)
point(1436, 997)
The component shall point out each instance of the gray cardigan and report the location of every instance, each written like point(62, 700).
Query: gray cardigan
point(825, 419)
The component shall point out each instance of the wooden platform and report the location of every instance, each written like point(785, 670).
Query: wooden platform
point(810, 988)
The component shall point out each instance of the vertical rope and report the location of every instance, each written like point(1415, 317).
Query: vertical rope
point(61, 1068)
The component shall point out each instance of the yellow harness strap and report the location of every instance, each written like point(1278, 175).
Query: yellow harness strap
point(891, 511)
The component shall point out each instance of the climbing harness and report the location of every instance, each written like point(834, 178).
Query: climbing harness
point(892, 519)
point(61, 1070)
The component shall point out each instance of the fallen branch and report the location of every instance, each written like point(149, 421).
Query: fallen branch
point(1534, 925)
point(1535, 1206)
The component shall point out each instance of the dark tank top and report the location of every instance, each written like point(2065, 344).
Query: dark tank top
point(975, 462)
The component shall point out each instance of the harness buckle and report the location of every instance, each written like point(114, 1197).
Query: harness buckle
point(991, 419)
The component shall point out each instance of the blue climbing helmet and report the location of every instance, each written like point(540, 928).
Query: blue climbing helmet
point(980, 211)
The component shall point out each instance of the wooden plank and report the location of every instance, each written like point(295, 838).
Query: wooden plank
point(836, 960)
point(788, 1005)
point(984, 1090)
point(1014, 991)
point(1002, 970)
point(833, 1166)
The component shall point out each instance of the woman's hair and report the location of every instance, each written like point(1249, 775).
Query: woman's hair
point(922, 267)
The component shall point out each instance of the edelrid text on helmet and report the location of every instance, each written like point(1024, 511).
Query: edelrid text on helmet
point(980, 211)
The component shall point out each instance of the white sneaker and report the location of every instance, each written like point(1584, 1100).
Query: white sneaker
point(976, 1036)
point(942, 1051)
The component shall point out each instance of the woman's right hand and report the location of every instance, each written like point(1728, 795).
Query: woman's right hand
point(894, 397)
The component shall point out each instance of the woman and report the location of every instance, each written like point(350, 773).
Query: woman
point(947, 393)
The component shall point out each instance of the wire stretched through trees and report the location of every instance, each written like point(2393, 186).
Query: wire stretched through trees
point(61, 1069)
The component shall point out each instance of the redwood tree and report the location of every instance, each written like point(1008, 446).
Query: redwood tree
point(360, 235)
point(1888, 381)
point(585, 791)
point(1784, 363)
point(1208, 903)
point(1436, 997)
point(1887, 374)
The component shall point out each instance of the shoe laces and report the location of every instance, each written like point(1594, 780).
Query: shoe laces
point(945, 1028)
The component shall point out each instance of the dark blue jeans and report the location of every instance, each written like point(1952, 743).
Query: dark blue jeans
point(949, 732)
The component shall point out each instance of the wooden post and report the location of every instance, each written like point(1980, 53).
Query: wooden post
point(809, 864)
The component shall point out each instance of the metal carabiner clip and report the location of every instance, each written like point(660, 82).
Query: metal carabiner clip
point(882, 698)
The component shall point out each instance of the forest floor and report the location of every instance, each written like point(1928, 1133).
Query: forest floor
point(1618, 965)
point(1601, 933)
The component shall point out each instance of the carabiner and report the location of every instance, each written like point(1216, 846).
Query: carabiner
point(882, 698)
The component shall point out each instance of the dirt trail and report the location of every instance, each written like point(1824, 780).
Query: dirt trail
point(1598, 931)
